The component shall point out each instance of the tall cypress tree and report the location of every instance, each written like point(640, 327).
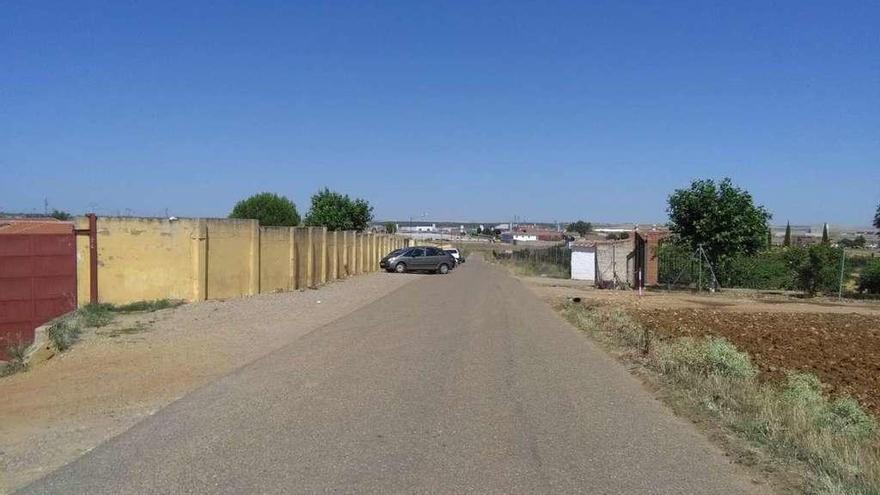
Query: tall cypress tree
point(786, 241)
point(825, 239)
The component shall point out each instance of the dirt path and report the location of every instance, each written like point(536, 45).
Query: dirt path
point(121, 373)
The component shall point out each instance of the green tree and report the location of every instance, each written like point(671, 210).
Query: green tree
point(60, 215)
point(339, 212)
point(269, 209)
point(769, 238)
point(720, 217)
point(786, 241)
point(869, 279)
point(857, 243)
point(819, 271)
point(580, 227)
point(877, 217)
point(390, 227)
point(825, 239)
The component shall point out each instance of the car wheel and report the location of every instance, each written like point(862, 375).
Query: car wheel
point(443, 269)
point(400, 267)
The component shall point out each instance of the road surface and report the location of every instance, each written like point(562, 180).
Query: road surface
point(464, 383)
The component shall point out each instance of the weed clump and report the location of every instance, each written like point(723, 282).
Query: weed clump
point(147, 306)
point(65, 331)
point(706, 357)
point(17, 354)
point(96, 314)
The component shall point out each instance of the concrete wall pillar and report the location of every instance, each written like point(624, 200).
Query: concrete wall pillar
point(361, 250)
point(292, 259)
point(254, 278)
point(332, 256)
point(319, 255)
point(303, 257)
point(371, 251)
point(343, 255)
point(200, 261)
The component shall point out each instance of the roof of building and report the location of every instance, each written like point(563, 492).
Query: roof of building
point(10, 226)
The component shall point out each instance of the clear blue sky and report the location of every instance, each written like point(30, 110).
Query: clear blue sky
point(465, 110)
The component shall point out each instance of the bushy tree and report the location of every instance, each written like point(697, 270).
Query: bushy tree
point(581, 227)
point(269, 209)
point(869, 279)
point(339, 212)
point(60, 215)
point(390, 227)
point(857, 243)
point(877, 217)
point(786, 241)
point(720, 217)
point(819, 271)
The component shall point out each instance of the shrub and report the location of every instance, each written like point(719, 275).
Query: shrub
point(708, 357)
point(803, 390)
point(846, 417)
point(869, 279)
point(65, 331)
point(770, 270)
point(820, 270)
point(17, 354)
point(339, 212)
point(268, 208)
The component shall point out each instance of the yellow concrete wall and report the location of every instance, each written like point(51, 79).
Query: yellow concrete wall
point(138, 258)
point(275, 259)
point(230, 258)
point(197, 259)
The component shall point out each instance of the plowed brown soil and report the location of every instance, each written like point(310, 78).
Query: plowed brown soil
point(843, 350)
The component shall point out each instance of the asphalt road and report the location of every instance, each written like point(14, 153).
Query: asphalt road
point(464, 383)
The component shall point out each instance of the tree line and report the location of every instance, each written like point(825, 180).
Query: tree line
point(725, 222)
point(328, 209)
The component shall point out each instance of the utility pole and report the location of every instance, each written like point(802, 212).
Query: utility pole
point(46, 206)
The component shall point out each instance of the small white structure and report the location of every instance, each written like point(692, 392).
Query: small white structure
point(418, 228)
point(583, 262)
point(519, 237)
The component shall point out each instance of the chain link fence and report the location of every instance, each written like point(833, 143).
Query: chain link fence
point(553, 261)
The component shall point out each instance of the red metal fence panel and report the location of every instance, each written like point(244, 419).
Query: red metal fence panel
point(37, 280)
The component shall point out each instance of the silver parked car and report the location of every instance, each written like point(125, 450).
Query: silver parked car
point(418, 258)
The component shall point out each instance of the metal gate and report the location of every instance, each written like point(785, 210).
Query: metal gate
point(37, 277)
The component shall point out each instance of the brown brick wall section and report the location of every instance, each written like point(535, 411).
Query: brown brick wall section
point(652, 240)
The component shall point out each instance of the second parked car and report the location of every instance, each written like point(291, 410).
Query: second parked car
point(418, 258)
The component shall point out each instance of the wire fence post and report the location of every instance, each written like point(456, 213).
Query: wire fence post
point(700, 270)
point(842, 262)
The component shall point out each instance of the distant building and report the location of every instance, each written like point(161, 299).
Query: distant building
point(424, 229)
point(518, 237)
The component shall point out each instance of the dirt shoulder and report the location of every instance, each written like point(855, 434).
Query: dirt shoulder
point(118, 374)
